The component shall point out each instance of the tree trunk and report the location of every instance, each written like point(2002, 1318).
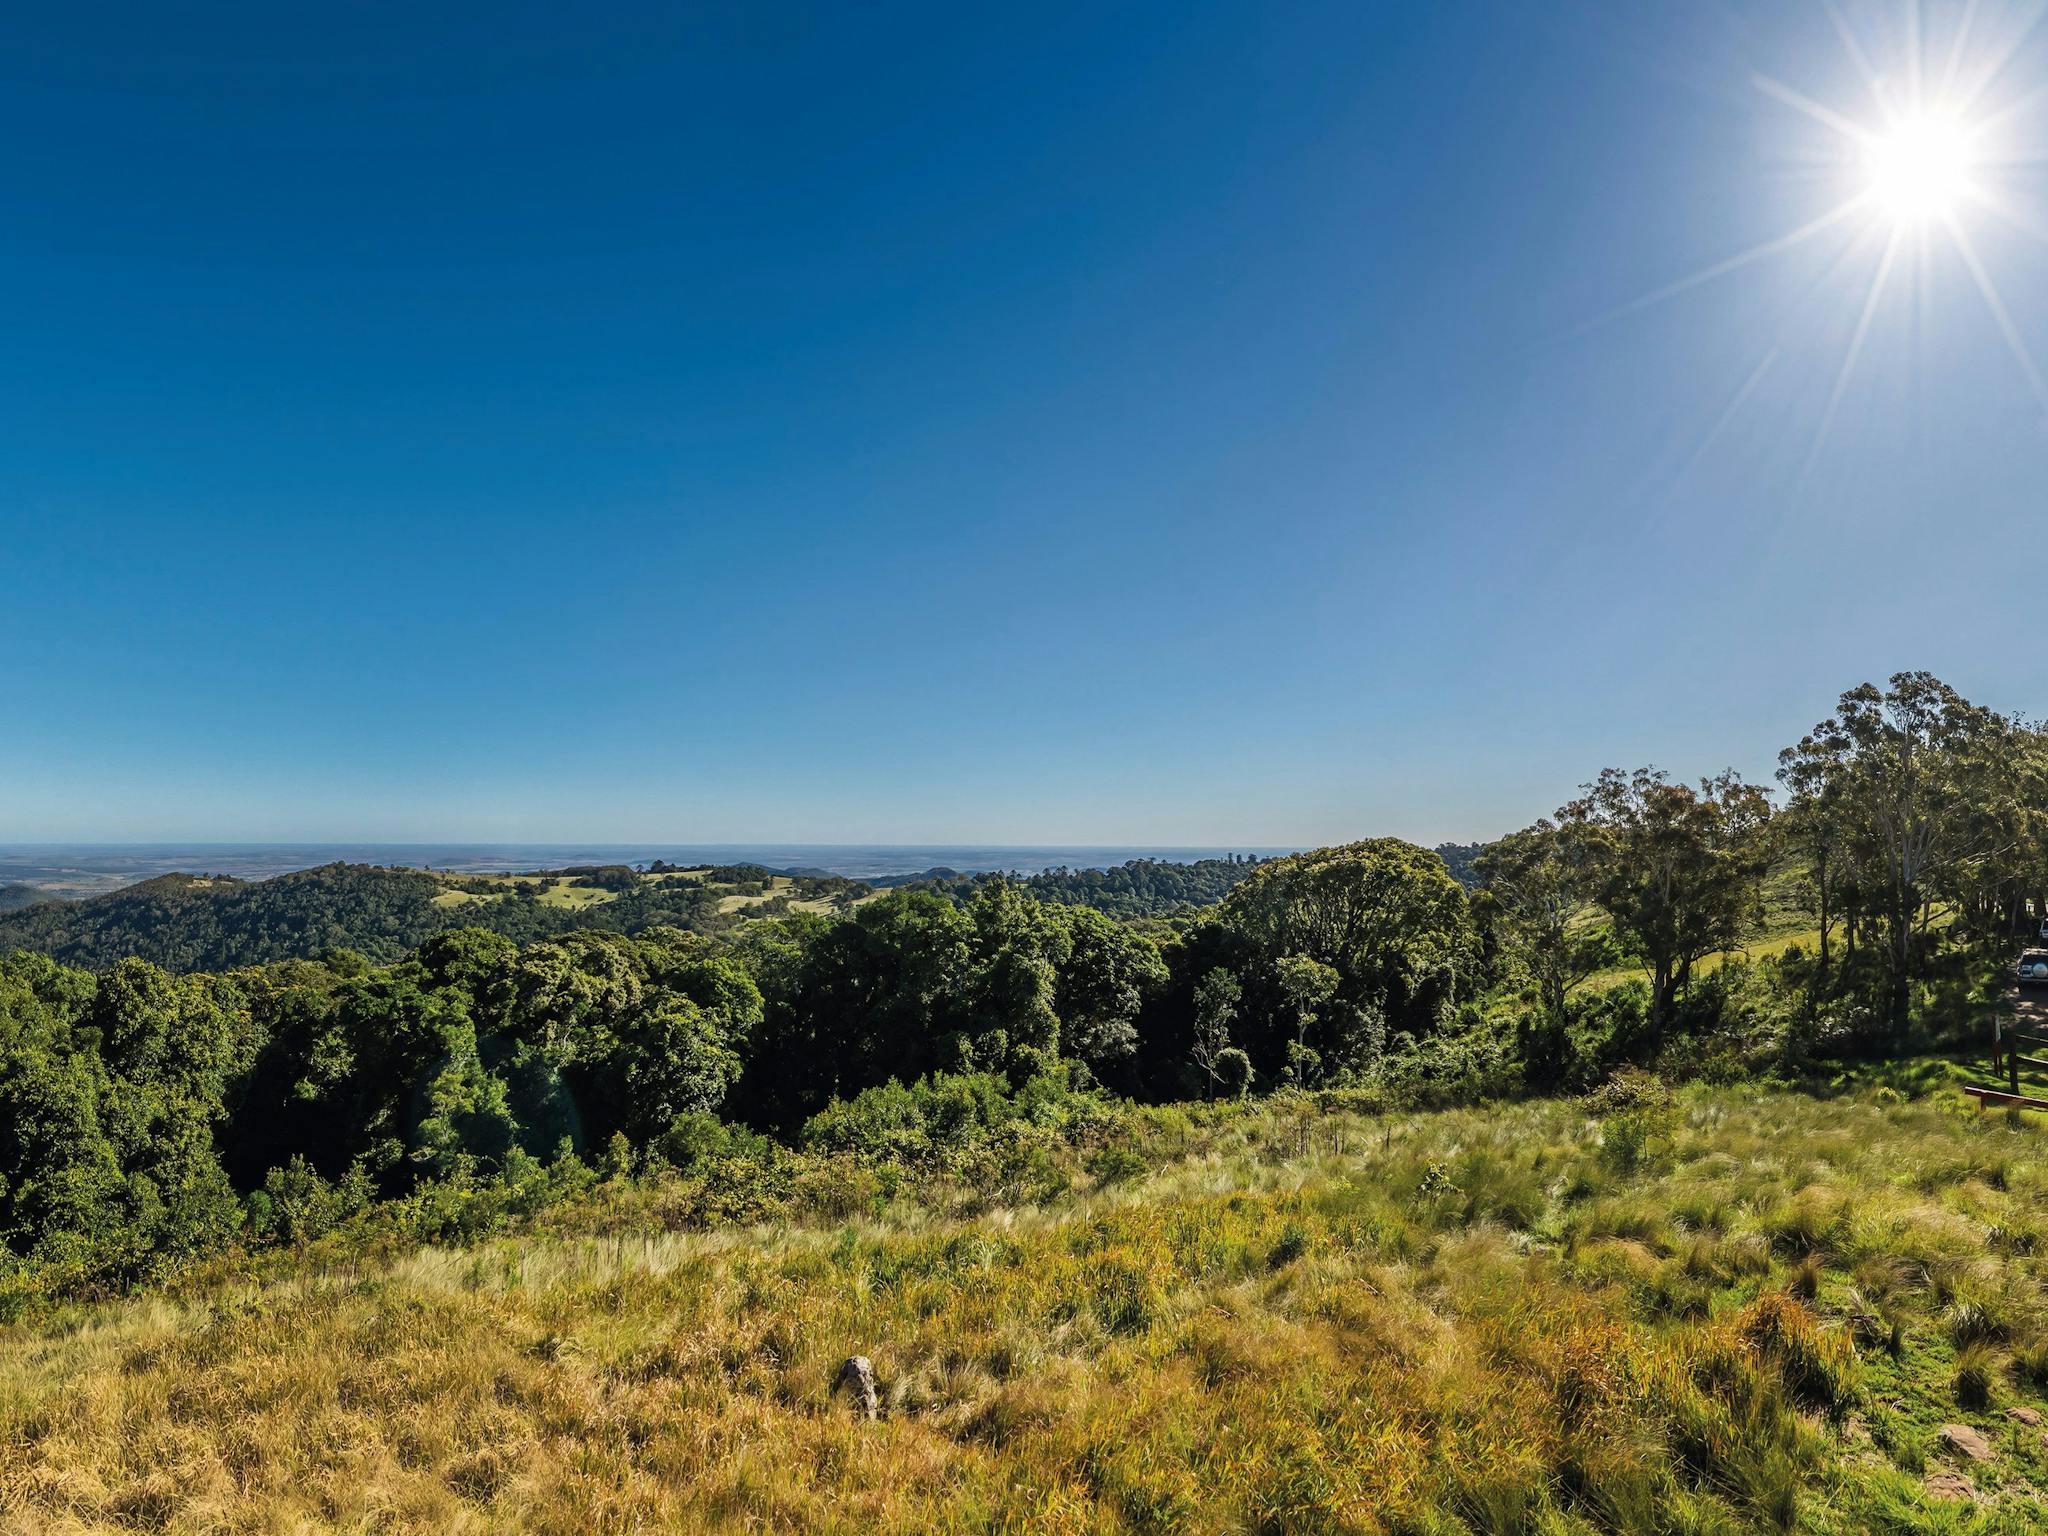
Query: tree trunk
point(1664, 991)
point(1826, 913)
point(1900, 958)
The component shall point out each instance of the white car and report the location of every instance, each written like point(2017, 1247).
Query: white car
point(2032, 969)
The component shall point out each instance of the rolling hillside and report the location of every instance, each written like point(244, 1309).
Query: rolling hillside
point(192, 922)
point(216, 922)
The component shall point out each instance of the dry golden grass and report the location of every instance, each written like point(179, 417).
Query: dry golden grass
point(1468, 1321)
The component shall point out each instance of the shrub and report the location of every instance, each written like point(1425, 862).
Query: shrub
point(940, 1116)
point(1114, 1165)
point(1234, 1072)
point(1969, 1321)
point(881, 1122)
point(2030, 1362)
point(296, 1205)
point(698, 1137)
point(839, 1187)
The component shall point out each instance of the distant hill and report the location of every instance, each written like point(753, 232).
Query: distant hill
point(14, 897)
point(188, 922)
point(191, 922)
point(213, 923)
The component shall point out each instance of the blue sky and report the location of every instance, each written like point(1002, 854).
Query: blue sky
point(1099, 423)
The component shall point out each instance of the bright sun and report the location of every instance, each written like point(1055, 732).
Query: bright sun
point(1919, 167)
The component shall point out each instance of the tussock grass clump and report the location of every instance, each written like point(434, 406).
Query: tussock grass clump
point(1975, 1369)
point(1818, 1365)
point(1284, 1320)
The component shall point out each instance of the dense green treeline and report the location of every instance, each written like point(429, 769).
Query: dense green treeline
point(146, 1116)
point(1462, 860)
point(1137, 888)
point(1156, 887)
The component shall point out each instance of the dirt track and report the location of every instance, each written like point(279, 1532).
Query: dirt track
point(2028, 1008)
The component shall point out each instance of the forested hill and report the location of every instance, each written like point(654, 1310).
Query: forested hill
point(191, 923)
point(196, 922)
point(1140, 888)
point(210, 923)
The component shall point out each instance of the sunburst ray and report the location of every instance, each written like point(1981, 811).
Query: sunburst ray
point(1827, 117)
point(1995, 302)
point(1996, 61)
point(1856, 340)
point(1735, 263)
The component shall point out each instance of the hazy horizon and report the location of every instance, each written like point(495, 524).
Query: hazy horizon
point(73, 869)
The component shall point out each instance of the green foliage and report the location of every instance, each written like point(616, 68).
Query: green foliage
point(1216, 1001)
point(1677, 868)
point(1139, 888)
point(1383, 916)
point(939, 1116)
point(1101, 987)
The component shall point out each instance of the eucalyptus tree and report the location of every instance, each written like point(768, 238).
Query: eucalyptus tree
point(1931, 791)
point(1216, 998)
point(1537, 886)
point(1815, 823)
point(1678, 868)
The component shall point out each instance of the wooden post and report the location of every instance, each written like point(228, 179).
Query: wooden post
point(2012, 1069)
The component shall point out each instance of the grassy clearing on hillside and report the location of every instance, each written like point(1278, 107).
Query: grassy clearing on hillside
point(778, 885)
point(1762, 947)
point(1739, 1311)
point(557, 891)
point(576, 896)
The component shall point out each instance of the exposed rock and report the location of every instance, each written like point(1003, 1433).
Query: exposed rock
point(2028, 1416)
point(1950, 1485)
point(857, 1376)
point(1962, 1438)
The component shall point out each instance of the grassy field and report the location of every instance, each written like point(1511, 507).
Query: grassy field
point(1735, 1311)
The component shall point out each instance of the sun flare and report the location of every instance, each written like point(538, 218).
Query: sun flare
point(1937, 154)
point(1920, 168)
